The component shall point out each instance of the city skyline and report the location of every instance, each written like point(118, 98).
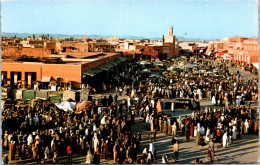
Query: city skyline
point(204, 19)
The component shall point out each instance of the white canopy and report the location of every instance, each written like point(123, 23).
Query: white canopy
point(66, 106)
point(144, 62)
point(146, 70)
point(256, 65)
point(160, 63)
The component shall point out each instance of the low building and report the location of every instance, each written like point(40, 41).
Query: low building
point(75, 71)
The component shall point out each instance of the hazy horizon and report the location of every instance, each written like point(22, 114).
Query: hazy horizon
point(196, 19)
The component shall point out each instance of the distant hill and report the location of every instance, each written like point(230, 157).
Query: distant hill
point(24, 35)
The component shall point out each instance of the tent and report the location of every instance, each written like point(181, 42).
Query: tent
point(83, 105)
point(66, 106)
point(29, 94)
point(19, 94)
point(55, 96)
point(69, 95)
point(82, 95)
point(42, 94)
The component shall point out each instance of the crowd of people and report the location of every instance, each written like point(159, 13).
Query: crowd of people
point(103, 131)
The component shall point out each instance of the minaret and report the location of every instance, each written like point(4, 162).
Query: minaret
point(170, 31)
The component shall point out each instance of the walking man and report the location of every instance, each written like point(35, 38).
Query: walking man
point(176, 150)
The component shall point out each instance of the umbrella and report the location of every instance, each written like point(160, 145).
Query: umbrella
point(66, 106)
point(83, 105)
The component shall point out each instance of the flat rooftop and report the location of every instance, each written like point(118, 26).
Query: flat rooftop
point(75, 60)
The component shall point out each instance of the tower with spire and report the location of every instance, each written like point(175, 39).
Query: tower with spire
point(169, 43)
point(169, 37)
point(170, 31)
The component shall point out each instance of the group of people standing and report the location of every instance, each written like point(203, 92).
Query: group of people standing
point(104, 130)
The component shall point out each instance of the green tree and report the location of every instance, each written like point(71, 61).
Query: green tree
point(33, 36)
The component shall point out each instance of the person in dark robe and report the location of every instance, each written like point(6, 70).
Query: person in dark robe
point(187, 132)
point(110, 100)
point(138, 140)
point(23, 151)
point(104, 101)
point(104, 150)
point(201, 142)
point(96, 158)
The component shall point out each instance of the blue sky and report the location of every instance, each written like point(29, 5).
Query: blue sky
point(204, 19)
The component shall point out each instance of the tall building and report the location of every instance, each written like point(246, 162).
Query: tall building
point(170, 38)
point(169, 43)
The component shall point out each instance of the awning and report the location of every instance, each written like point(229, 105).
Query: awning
point(121, 59)
point(104, 67)
point(93, 72)
point(46, 79)
point(256, 65)
point(89, 73)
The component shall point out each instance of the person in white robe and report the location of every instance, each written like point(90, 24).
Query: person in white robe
point(202, 130)
point(29, 140)
point(95, 143)
point(94, 128)
point(234, 135)
point(152, 101)
point(147, 119)
point(225, 140)
point(179, 122)
point(151, 148)
point(174, 129)
point(181, 94)
point(213, 101)
point(165, 159)
point(151, 123)
point(37, 139)
point(132, 93)
point(9, 138)
point(47, 153)
point(200, 94)
point(172, 106)
point(193, 114)
point(207, 135)
point(198, 127)
point(89, 158)
point(246, 126)
point(103, 120)
point(195, 130)
point(86, 132)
